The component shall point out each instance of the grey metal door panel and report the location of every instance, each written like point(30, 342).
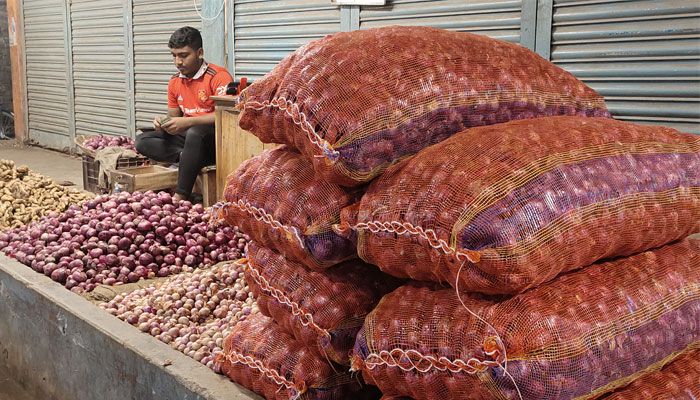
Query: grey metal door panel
point(643, 56)
point(499, 19)
point(266, 31)
point(153, 23)
point(99, 72)
point(48, 110)
point(669, 69)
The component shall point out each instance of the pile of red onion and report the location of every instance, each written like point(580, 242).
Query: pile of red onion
point(122, 238)
point(101, 141)
point(193, 312)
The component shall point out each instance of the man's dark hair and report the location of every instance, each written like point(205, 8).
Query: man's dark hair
point(185, 36)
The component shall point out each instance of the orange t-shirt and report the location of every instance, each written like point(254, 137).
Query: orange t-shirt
point(192, 95)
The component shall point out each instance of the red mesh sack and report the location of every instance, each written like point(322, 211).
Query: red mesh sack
point(323, 310)
point(356, 102)
point(260, 356)
point(584, 334)
point(509, 206)
point(680, 379)
point(276, 199)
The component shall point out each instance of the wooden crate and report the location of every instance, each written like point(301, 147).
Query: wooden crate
point(233, 144)
point(91, 172)
point(151, 177)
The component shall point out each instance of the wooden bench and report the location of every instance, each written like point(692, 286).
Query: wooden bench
point(206, 185)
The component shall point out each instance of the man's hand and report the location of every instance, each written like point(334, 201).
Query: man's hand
point(176, 125)
point(156, 124)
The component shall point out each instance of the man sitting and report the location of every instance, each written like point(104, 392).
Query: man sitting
point(186, 135)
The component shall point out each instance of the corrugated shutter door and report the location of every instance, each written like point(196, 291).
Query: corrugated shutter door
point(266, 31)
point(154, 22)
point(47, 69)
point(99, 69)
point(643, 56)
point(498, 19)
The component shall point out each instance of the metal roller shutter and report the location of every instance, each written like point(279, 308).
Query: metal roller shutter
point(47, 67)
point(643, 56)
point(154, 21)
point(99, 67)
point(500, 19)
point(266, 31)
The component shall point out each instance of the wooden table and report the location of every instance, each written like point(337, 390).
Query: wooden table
point(233, 144)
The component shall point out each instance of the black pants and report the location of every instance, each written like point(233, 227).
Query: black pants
point(193, 149)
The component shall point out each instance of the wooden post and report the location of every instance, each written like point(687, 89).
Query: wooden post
point(233, 144)
point(16, 36)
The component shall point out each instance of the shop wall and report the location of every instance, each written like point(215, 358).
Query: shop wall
point(642, 55)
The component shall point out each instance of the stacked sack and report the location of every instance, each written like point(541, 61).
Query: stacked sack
point(353, 105)
point(312, 291)
point(581, 335)
point(520, 211)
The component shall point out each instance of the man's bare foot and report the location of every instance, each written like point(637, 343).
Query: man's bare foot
point(179, 197)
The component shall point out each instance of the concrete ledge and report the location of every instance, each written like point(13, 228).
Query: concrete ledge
point(59, 346)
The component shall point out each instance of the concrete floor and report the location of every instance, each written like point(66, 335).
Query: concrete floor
point(58, 166)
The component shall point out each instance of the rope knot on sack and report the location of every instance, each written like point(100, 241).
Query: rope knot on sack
point(300, 119)
point(408, 360)
point(291, 233)
point(493, 347)
point(217, 211)
point(305, 318)
point(408, 229)
point(295, 390)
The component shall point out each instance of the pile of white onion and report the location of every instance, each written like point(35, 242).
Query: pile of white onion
point(193, 311)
